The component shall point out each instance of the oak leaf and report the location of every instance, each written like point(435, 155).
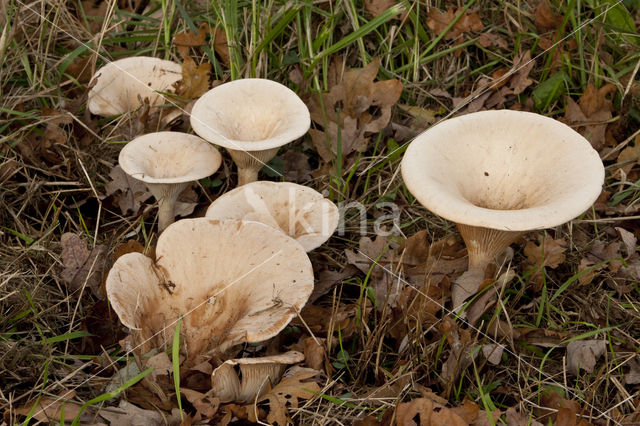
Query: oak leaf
point(82, 265)
point(590, 115)
point(195, 79)
point(287, 393)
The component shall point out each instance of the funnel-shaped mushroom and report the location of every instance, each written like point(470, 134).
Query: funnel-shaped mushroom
point(167, 162)
point(230, 281)
point(119, 86)
point(257, 375)
point(299, 211)
point(251, 118)
point(497, 174)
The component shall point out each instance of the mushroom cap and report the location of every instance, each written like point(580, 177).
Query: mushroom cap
point(119, 84)
point(169, 157)
point(505, 170)
point(299, 211)
point(256, 376)
point(252, 114)
point(230, 281)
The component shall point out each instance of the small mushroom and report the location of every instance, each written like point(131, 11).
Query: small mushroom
point(497, 174)
point(121, 85)
point(251, 118)
point(255, 376)
point(167, 162)
point(230, 281)
point(297, 210)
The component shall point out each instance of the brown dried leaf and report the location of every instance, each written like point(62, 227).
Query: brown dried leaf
point(296, 166)
point(520, 80)
point(460, 356)
point(195, 79)
point(546, 19)
point(629, 239)
point(191, 38)
point(127, 414)
point(490, 39)
point(353, 107)
point(130, 192)
point(630, 155)
point(377, 7)
point(583, 354)
point(588, 117)
point(548, 252)
point(516, 418)
point(428, 412)
point(49, 409)
point(287, 392)
point(221, 45)
point(438, 22)
point(314, 353)
point(82, 265)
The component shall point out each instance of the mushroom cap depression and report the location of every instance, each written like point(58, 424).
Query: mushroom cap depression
point(505, 170)
point(119, 85)
point(230, 281)
point(169, 157)
point(299, 211)
point(252, 114)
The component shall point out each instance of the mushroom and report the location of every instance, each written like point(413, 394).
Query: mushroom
point(120, 86)
point(255, 377)
point(251, 118)
point(497, 174)
point(167, 162)
point(297, 210)
point(229, 281)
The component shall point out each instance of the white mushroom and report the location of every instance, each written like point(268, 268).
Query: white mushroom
point(497, 174)
point(230, 282)
point(256, 376)
point(121, 85)
point(167, 162)
point(299, 211)
point(251, 118)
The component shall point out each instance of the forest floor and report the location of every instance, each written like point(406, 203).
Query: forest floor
point(554, 339)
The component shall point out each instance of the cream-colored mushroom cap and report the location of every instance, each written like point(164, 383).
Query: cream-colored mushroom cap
point(251, 114)
point(119, 86)
point(505, 170)
point(257, 375)
point(230, 281)
point(299, 211)
point(169, 157)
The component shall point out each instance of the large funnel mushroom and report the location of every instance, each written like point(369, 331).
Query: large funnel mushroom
point(167, 162)
point(119, 86)
point(497, 174)
point(299, 211)
point(256, 376)
point(230, 281)
point(251, 118)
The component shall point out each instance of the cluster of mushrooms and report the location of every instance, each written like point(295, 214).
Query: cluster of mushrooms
point(241, 273)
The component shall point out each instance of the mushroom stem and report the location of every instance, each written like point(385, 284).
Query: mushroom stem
point(484, 244)
point(249, 163)
point(247, 175)
point(167, 195)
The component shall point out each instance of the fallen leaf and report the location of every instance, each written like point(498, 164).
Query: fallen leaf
point(127, 414)
point(632, 377)
point(491, 39)
point(517, 418)
point(520, 79)
point(206, 405)
point(195, 79)
point(296, 166)
point(630, 241)
point(493, 353)
point(546, 19)
point(377, 7)
point(49, 409)
point(438, 21)
point(221, 44)
point(460, 356)
point(82, 265)
point(590, 114)
point(130, 192)
point(314, 353)
point(583, 354)
point(104, 327)
point(548, 252)
point(352, 108)
point(286, 393)
point(188, 38)
point(428, 412)
point(629, 157)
